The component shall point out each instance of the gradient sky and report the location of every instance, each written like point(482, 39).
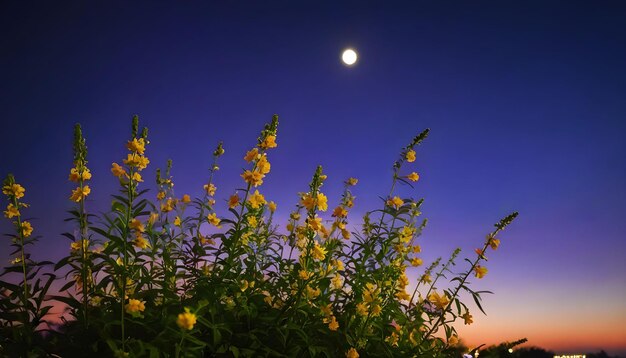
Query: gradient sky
point(526, 102)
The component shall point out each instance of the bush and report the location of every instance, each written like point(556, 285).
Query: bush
point(172, 278)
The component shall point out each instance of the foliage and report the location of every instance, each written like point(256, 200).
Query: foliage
point(169, 277)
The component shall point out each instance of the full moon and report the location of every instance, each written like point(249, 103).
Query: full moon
point(349, 57)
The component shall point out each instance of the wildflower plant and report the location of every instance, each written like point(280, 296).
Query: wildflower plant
point(163, 274)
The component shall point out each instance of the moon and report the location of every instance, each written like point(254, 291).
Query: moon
point(349, 57)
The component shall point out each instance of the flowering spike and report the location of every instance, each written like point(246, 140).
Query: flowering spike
point(506, 221)
point(135, 127)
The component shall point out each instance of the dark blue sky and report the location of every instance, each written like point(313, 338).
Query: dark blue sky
point(526, 102)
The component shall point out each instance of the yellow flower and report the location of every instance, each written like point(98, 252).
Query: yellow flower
point(269, 142)
point(352, 181)
point(79, 194)
point(233, 201)
point(213, 220)
point(272, 206)
point(252, 221)
point(177, 221)
point(416, 249)
point(210, 189)
point(312, 292)
point(14, 190)
point(415, 262)
point(137, 225)
point(352, 353)
point(440, 301)
point(137, 177)
point(141, 241)
point(395, 202)
point(494, 243)
point(361, 309)
point(135, 306)
point(327, 310)
point(426, 278)
point(336, 281)
point(136, 160)
point(11, 211)
point(413, 176)
point(340, 212)
point(480, 271)
point(75, 176)
point(345, 234)
point(160, 195)
point(467, 318)
point(402, 295)
point(333, 325)
point(117, 170)
point(338, 264)
point(453, 340)
point(256, 200)
point(76, 245)
point(410, 156)
point(253, 178)
point(406, 234)
point(376, 310)
point(307, 201)
point(251, 155)
point(263, 165)
point(186, 199)
point(168, 205)
point(318, 253)
point(136, 145)
point(304, 275)
point(244, 285)
point(322, 202)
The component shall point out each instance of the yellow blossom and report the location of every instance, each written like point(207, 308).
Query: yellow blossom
point(135, 306)
point(263, 165)
point(467, 318)
point(137, 177)
point(210, 189)
point(177, 221)
point(333, 324)
point(137, 225)
point(410, 156)
point(494, 243)
point(352, 181)
point(136, 145)
point(244, 285)
point(415, 262)
point(395, 202)
point(75, 176)
point(233, 201)
point(76, 245)
point(345, 234)
point(140, 241)
point(426, 278)
point(406, 234)
point(168, 205)
point(136, 160)
point(338, 264)
point(327, 309)
point(480, 271)
point(312, 292)
point(304, 275)
point(256, 200)
point(322, 202)
point(440, 301)
point(14, 190)
point(336, 281)
point(361, 309)
point(352, 353)
point(79, 194)
point(402, 295)
point(213, 220)
point(413, 176)
point(269, 142)
point(117, 170)
point(251, 155)
point(416, 249)
point(160, 195)
point(376, 310)
point(307, 201)
point(11, 211)
point(272, 206)
point(318, 252)
point(252, 221)
point(340, 212)
point(186, 199)
point(253, 178)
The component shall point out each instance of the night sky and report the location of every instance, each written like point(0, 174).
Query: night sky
point(526, 102)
